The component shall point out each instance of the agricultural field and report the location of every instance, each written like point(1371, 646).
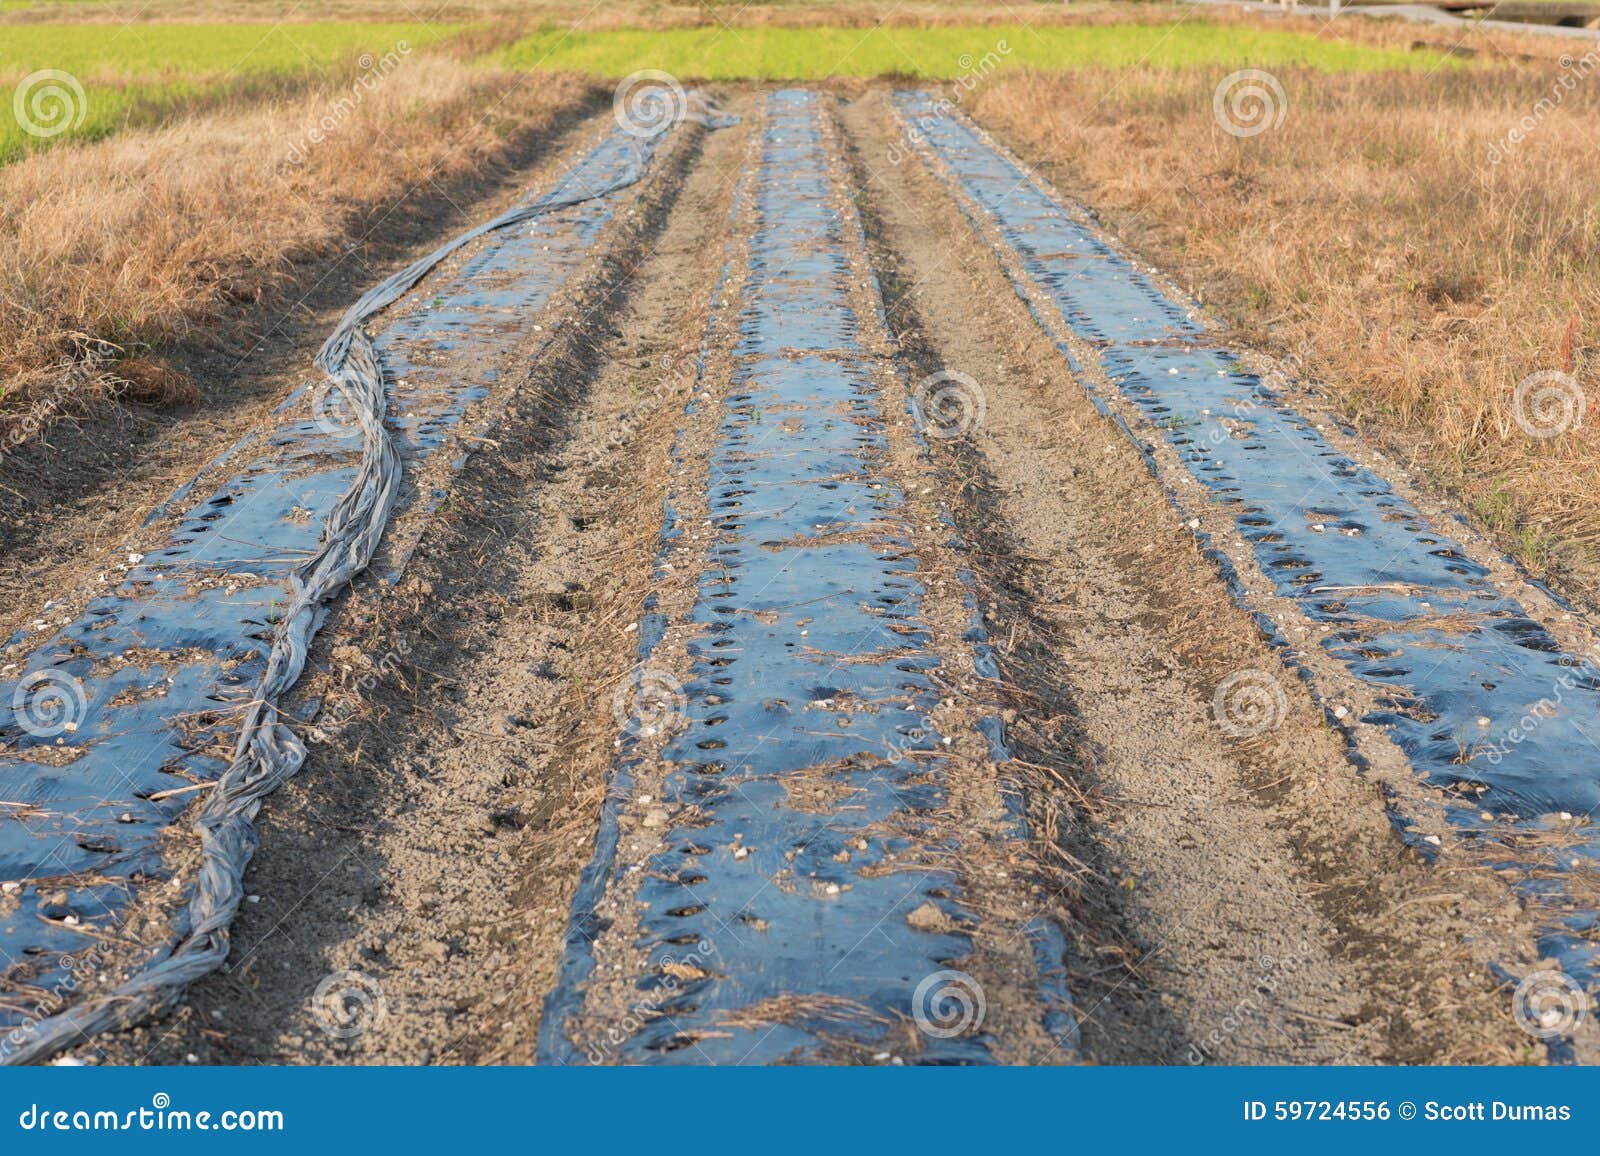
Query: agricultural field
point(87, 81)
point(866, 534)
point(944, 53)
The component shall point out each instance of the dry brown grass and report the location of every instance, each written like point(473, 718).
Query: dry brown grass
point(1370, 240)
point(112, 250)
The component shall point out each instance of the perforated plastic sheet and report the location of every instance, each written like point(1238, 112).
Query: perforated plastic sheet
point(163, 692)
point(812, 661)
point(1456, 665)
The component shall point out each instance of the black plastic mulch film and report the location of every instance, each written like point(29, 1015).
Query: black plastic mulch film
point(1455, 664)
point(810, 652)
point(116, 713)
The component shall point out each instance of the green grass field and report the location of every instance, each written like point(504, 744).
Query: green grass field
point(142, 73)
point(942, 52)
point(147, 73)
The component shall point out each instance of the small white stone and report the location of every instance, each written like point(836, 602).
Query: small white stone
point(1434, 839)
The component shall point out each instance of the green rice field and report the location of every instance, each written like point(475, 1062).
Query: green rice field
point(942, 52)
point(102, 76)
